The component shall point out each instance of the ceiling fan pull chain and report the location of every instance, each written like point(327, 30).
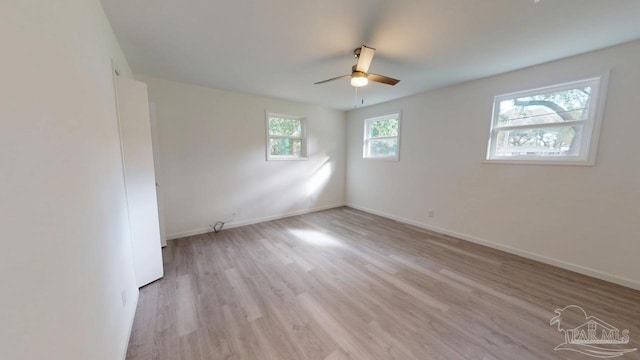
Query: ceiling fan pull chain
point(355, 100)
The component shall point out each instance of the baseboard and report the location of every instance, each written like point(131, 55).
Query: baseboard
point(526, 254)
point(252, 221)
point(132, 318)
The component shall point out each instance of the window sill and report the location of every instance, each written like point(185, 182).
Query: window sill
point(383, 158)
point(287, 158)
point(539, 162)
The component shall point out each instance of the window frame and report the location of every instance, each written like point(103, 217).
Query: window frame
point(304, 155)
point(366, 139)
point(589, 136)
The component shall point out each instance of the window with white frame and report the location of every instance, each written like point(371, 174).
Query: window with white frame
point(286, 137)
point(553, 125)
point(382, 137)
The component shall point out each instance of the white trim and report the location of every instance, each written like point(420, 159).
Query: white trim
point(304, 125)
point(287, 158)
point(114, 74)
point(599, 116)
point(235, 224)
point(365, 140)
point(557, 87)
point(512, 250)
point(545, 125)
point(588, 138)
point(131, 320)
point(560, 160)
point(285, 137)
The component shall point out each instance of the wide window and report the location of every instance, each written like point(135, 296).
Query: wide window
point(553, 125)
point(382, 137)
point(286, 137)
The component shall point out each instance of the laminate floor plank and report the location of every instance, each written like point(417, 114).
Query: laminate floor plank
point(343, 284)
point(186, 319)
point(141, 341)
point(240, 287)
point(346, 339)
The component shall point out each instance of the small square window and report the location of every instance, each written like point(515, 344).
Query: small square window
point(286, 137)
point(382, 137)
point(553, 125)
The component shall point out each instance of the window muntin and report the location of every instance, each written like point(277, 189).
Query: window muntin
point(382, 137)
point(556, 124)
point(286, 137)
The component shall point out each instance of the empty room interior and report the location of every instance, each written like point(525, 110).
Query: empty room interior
point(300, 179)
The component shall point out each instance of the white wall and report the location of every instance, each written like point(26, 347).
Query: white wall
point(582, 218)
point(66, 252)
point(212, 153)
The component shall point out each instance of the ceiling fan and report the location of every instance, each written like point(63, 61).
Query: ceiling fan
point(359, 75)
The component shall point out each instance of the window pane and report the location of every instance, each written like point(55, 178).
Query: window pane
point(386, 127)
point(556, 141)
point(285, 127)
point(383, 147)
point(286, 147)
point(545, 108)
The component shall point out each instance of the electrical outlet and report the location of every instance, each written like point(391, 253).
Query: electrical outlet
point(123, 295)
point(430, 213)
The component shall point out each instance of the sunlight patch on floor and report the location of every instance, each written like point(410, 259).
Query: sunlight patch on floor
point(316, 238)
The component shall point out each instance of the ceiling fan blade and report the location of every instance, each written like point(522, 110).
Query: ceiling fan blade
point(364, 59)
point(382, 79)
point(335, 78)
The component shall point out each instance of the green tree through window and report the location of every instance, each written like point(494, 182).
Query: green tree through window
point(285, 136)
point(553, 122)
point(382, 137)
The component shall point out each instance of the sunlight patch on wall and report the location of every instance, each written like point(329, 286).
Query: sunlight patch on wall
point(319, 178)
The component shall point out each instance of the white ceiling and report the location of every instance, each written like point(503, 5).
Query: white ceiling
point(279, 48)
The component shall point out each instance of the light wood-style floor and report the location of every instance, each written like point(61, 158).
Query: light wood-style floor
point(344, 284)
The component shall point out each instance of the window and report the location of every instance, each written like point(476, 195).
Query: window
point(286, 137)
point(552, 125)
point(382, 137)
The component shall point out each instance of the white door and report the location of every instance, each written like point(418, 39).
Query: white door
point(140, 182)
point(156, 163)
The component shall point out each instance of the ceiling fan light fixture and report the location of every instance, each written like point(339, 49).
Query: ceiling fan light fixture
point(359, 79)
point(360, 74)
